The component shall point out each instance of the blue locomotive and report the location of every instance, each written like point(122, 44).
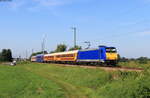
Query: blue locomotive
point(103, 55)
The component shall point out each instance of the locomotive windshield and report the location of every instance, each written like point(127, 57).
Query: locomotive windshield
point(111, 50)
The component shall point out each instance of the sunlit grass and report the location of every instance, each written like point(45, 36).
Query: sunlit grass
point(15, 82)
point(56, 81)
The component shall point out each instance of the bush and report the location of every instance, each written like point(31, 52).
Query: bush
point(6, 55)
point(130, 85)
point(143, 60)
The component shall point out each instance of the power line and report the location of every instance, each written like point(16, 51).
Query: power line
point(26, 54)
point(88, 44)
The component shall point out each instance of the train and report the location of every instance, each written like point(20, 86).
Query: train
point(103, 55)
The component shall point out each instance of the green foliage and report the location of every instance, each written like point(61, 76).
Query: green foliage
point(143, 60)
point(55, 81)
point(140, 60)
point(135, 64)
point(97, 83)
point(41, 52)
point(123, 59)
point(16, 82)
point(132, 85)
point(119, 57)
point(75, 48)
point(61, 48)
point(52, 52)
point(77, 78)
point(6, 55)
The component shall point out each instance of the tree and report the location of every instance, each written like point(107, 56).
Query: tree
point(75, 48)
point(6, 55)
point(61, 48)
point(143, 60)
point(9, 55)
point(119, 57)
point(123, 59)
point(52, 52)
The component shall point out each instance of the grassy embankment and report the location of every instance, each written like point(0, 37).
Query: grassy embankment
point(135, 64)
point(35, 80)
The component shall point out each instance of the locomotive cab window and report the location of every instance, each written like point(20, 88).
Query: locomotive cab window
point(111, 50)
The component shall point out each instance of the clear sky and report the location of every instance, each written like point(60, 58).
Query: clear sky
point(124, 24)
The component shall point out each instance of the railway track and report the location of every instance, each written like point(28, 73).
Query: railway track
point(118, 68)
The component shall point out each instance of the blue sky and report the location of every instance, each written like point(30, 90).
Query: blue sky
point(124, 24)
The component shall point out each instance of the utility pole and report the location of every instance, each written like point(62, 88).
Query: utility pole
point(19, 58)
point(26, 54)
point(43, 44)
point(32, 51)
point(74, 30)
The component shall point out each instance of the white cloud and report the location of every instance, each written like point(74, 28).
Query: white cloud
point(16, 5)
point(51, 2)
point(34, 5)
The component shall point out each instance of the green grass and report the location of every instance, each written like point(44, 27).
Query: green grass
point(35, 80)
point(135, 64)
point(16, 82)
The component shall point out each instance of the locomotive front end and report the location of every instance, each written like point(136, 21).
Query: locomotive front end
point(111, 55)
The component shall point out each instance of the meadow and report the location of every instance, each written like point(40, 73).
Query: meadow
point(135, 63)
point(37, 80)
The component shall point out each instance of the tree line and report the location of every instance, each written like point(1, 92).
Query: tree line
point(141, 60)
point(6, 55)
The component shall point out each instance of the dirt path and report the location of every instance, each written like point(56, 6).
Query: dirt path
point(106, 68)
point(116, 68)
point(70, 90)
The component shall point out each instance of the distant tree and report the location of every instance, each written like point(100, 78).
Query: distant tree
point(9, 55)
point(0, 56)
point(75, 48)
point(123, 59)
point(6, 55)
point(132, 59)
point(119, 57)
point(61, 48)
point(52, 52)
point(143, 60)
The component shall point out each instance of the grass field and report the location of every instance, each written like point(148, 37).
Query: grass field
point(34, 80)
point(135, 64)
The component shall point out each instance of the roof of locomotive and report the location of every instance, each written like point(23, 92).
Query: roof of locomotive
point(95, 48)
